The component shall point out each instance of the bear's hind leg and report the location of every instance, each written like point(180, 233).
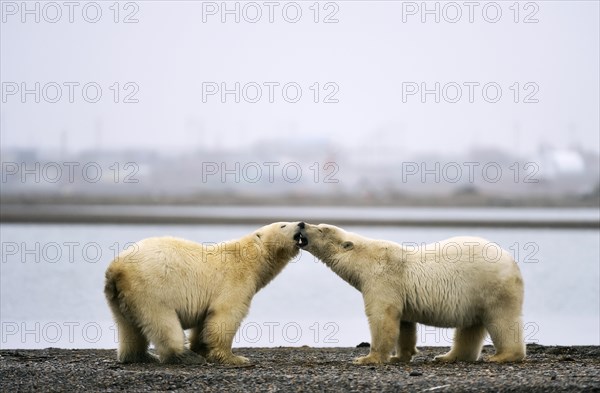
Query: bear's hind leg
point(406, 346)
point(467, 345)
point(197, 343)
point(133, 346)
point(507, 336)
point(164, 330)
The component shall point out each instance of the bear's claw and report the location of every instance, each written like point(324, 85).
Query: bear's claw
point(186, 357)
point(368, 360)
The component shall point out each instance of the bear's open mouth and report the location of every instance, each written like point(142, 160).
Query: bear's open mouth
point(301, 240)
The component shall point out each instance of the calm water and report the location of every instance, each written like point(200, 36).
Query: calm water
point(52, 281)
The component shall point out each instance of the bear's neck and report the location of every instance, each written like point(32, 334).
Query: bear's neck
point(271, 265)
point(346, 270)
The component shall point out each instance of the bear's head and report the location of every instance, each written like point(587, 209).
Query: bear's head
point(324, 241)
point(276, 241)
point(336, 248)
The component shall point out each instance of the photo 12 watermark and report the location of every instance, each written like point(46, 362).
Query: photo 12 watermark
point(270, 92)
point(269, 172)
point(290, 332)
point(69, 172)
point(54, 252)
point(472, 251)
point(270, 12)
point(431, 335)
point(70, 92)
point(286, 332)
point(70, 12)
point(470, 92)
point(453, 12)
point(471, 172)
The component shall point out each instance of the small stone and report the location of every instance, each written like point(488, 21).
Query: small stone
point(415, 373)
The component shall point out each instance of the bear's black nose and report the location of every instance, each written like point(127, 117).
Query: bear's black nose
point(301, 225)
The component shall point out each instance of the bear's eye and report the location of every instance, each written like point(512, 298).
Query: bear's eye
point(283, 226)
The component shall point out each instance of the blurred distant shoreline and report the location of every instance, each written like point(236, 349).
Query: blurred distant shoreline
point(463, 200)
point(318, 174)
point(468, 211)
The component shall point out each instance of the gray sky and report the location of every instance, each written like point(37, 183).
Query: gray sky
point(367, 56)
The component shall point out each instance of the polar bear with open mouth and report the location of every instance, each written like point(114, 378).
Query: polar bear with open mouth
point(466, 283)
point(160, 286)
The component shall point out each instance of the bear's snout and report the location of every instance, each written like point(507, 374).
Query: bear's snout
point(301, 225)
point(300, 238)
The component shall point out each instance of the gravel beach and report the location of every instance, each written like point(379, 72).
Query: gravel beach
point(304, 369)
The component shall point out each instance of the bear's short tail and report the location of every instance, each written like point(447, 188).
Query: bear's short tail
point(111, 289)
point(114, 296)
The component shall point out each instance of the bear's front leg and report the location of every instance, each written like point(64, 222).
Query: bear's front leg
point(219, 330)
point(384, 323)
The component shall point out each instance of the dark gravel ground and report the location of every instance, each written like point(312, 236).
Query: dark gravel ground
point(301, 369)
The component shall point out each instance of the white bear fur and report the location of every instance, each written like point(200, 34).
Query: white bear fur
point(161, 286)
point(457, 283)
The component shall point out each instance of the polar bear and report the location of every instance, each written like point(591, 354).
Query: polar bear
point(467, 283)
point(162, 285)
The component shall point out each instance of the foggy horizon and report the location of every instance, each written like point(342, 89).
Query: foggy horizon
point(369, 59)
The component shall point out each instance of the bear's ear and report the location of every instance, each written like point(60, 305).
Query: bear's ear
point(347, 246)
